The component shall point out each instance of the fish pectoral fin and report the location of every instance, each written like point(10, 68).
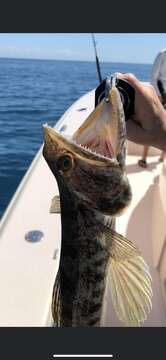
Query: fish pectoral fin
point(130, 280)
point(56, 302)
point(55, 205)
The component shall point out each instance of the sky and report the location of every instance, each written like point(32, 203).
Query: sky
point(111, 47)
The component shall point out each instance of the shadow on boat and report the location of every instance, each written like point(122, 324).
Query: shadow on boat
point(139, 230)
point(139, 226)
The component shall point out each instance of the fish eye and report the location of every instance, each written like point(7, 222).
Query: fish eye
point(65, 163)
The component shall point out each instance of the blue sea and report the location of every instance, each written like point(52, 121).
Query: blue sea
point(36, 91)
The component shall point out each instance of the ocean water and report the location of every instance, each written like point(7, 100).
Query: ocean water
point(36, 91)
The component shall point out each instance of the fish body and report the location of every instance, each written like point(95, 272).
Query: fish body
point(94, 189)
point(82, 269)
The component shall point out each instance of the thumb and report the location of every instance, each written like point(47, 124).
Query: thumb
point(131, 78)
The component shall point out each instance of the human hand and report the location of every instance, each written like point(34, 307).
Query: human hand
point(147, 126)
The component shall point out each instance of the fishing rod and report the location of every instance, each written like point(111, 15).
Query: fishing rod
point(97, 59)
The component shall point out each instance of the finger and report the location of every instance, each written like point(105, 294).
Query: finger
point(136, 133)
point(131, 78)
point(119, 74)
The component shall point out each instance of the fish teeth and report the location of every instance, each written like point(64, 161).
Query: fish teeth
point(85, 147)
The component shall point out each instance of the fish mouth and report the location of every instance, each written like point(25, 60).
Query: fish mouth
point(99, 139)
point(104, 130)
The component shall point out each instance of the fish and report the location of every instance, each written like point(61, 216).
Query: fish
point(90, 171)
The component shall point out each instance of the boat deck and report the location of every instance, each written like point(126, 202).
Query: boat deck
point(136, 225)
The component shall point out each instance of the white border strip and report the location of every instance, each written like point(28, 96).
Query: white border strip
point(81, 355)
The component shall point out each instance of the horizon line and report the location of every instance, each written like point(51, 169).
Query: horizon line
point(78, 60)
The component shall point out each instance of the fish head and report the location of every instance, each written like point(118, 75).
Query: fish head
point(91, 164)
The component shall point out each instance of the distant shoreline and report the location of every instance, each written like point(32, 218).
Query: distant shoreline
point(72, 60)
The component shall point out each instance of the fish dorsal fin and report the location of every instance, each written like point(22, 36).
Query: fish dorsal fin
point(130, 280)
point(56, 302)
point(55, 205)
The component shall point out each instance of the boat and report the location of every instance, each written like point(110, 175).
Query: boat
point(30, 236)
